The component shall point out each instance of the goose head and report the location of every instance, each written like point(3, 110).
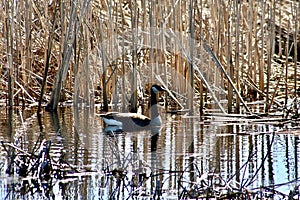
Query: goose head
point(157, 88)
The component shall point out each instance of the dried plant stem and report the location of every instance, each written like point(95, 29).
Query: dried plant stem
point(286, 66)
point(103, 65)
point(229, 58)
point(270, 54)
point(133, 78)
point(47, 59)
point(296, 13)
point(237, 53)
point(191, 69)
point(28, 39)
point(262, 59)
point(9, 50)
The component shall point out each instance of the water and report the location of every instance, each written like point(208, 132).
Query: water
point(186, 153)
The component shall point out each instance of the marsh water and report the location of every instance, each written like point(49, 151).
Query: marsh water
point(242, 152)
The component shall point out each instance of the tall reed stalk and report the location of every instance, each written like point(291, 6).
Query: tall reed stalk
point(237, 52)
point(104, 62)
point(270, 52)
point(286, 65)
point(229, 55)
point(124, 100)
point(200, 32)
point(9, 25)
point(192, 46)
point(296, 12)
point(48, 50)
point(133, 77)
point(28, 40)
point(262, 55)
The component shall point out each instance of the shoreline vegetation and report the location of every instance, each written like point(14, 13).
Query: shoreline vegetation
point(104, 52)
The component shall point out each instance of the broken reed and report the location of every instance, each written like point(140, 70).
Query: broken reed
point(242, 35)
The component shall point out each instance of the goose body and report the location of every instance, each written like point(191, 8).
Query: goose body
point(135, 121)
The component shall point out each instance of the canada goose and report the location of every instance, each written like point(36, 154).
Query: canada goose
point(135, 121)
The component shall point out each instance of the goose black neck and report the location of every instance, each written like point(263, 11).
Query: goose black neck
point(153, 105)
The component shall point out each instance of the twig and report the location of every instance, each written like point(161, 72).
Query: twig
point(19, 149)
point(169, 92)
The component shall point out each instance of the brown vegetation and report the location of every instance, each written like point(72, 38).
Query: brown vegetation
point(99, 51)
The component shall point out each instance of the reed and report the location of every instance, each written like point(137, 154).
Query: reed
point(134, 19)
point(47, 57)
point(262, 42)
point(10, 45)
point(28, 40)
point(124, 100)
point(192, 46)
point(237, 51)
point(295, 9)
point(199, 22)
point(103, 65)
point(46, 46)
point(71, 31)
point(151, 24)
point(286, 67)
point(230, 68)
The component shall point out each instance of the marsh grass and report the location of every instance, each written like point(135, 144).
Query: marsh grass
point(105, 51)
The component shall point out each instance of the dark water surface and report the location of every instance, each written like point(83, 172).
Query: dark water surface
point(240, 152)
